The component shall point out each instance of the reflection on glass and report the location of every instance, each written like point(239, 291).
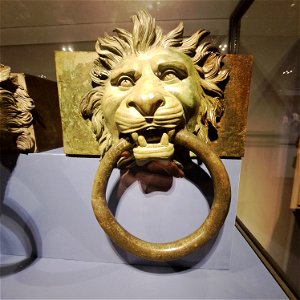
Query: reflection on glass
point(268, 168)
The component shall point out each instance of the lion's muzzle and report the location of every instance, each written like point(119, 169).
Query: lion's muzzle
point(151, 125)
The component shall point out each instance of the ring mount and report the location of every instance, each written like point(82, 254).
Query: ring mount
point(181, 247)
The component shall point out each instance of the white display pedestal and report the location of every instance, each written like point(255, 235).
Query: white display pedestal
point(47, 212)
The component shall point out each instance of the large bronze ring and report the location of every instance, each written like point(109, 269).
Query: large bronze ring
point(175, 249)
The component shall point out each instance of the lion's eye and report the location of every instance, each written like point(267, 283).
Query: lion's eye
point(125, 81)
point(169, 75)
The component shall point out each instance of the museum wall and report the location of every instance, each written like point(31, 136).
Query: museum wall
point(270, 32)
point(32, 30)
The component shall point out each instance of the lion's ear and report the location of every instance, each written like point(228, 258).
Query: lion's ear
point(90, 103)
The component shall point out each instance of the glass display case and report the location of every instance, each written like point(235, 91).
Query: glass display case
point(269, 189)
point(49, 247)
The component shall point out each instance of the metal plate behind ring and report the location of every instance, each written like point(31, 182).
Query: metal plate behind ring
point(175, 249)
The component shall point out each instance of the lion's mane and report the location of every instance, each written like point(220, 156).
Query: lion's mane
point(15, 110)
point(147, 35)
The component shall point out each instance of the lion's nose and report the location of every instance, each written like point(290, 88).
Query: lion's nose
point(146, 103)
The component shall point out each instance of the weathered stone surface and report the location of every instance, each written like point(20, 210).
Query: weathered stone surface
point(74, 82)
point(232, 131)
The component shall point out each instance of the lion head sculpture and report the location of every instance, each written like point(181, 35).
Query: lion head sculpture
point(147, 85)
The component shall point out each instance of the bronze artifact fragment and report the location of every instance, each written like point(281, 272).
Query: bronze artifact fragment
point(29, 113)
point(153, 95)
point(15, 112)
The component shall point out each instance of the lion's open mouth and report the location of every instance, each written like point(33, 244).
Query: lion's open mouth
point(153, 144)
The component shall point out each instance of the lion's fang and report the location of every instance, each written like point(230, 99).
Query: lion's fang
point(171, 133)
point(164, 139)
point(142, 141)
point(135, 136)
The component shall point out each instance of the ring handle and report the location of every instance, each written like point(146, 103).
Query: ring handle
point(181, 247)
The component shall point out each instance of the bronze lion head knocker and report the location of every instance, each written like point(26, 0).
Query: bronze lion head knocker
point(152, 95)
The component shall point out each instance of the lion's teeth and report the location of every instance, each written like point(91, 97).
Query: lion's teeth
point(142, 141)
point(171, 133)
point(164, 139)
point(134, 136)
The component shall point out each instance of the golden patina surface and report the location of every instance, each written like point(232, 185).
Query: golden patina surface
point(147, 83)
point(175, 249)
